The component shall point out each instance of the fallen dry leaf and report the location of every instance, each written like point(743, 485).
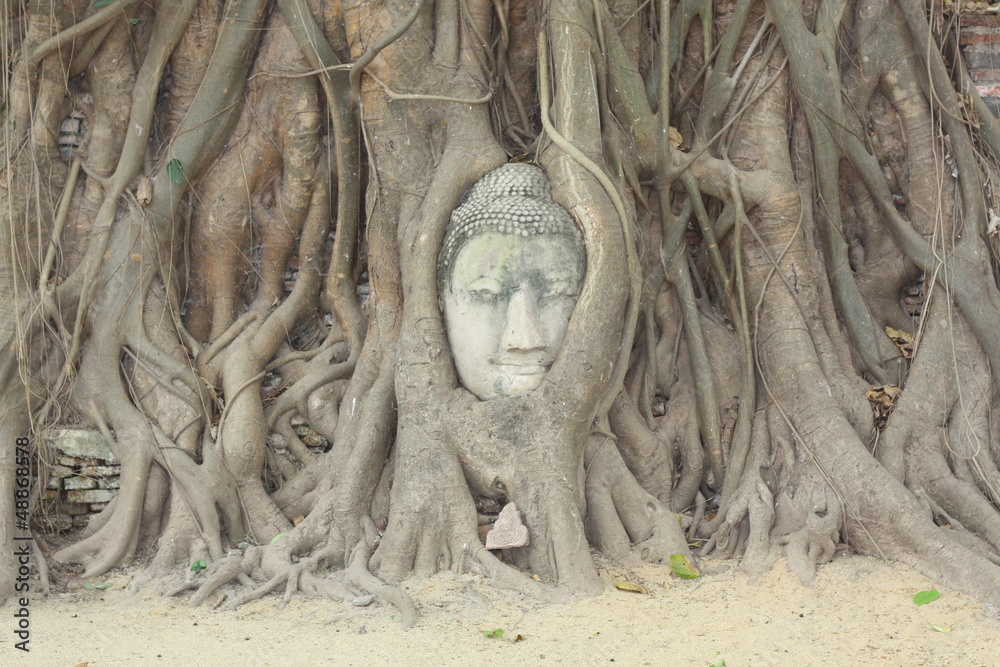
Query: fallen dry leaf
point(902, 339)
point(883, 396)
point(629, 586)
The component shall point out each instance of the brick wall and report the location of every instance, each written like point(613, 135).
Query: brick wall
point(979, 39)
point(81, 482)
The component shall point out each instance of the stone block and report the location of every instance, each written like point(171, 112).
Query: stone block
point(90, 496)
point(984, 57)
point(69, 508)
point(73, 461)
point(52, 523)
point(101, 471)
point(81, 520)
point(50, 494)
point(54, 483)
point(79, 482)
point(992, 101)
point(79, 442)
point(109, 482)
point(96, 508)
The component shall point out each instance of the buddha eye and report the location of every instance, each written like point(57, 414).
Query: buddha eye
point(483, 294)
point(559, 292)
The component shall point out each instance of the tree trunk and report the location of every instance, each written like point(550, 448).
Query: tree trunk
point(780, 347)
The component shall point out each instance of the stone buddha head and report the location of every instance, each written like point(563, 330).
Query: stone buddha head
point(509, 272)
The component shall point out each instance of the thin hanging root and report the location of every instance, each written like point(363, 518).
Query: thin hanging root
point(358, 574)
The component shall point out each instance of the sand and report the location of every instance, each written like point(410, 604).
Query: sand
point(859, 611)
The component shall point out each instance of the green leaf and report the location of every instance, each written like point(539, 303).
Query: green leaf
point(175, 171)
point(198, 566)
point(942, 628)
point(97, 587)
point(102, 3)
point(277, 537)
point(494, 634)
point(721, 663)
point(134, 21)
point(683, 566)
point(923, 597)
point(3, 108)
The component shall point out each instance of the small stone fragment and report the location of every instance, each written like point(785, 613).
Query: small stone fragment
point(363, 601)
point(508, 531)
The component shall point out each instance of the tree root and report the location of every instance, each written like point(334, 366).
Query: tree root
point(621, 514)
point(359, 575)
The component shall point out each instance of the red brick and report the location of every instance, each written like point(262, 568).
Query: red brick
point(985, 75)
point(980, 20)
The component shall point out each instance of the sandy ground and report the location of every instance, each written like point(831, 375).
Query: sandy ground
point(860, 611)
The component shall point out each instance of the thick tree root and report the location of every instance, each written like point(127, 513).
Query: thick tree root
point(620, 513)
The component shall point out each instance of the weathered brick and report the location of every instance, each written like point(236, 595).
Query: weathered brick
point(54, 483)
point(986, 20)
point(81, 520)
point(50, 494)
point(101, 471)
point(79, 442)
point(90, 496)
point(79, 482)
point(52, 523)
point(97, 507)
point(979, 35)
point(992, 99)
point(70, 508)
point(985, 75)
point(983, 58)
point(109, 482)
point(73, 461)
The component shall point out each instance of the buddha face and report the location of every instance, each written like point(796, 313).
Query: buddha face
point(507, 304)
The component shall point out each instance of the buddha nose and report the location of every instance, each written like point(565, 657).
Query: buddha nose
point(522, 331)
